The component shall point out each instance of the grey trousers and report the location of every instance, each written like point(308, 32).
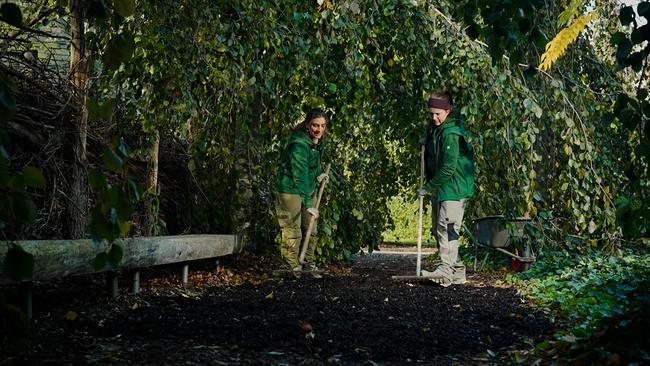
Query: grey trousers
point(294, 221)
point(446, 219)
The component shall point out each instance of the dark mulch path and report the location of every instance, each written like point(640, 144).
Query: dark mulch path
point(353, 315)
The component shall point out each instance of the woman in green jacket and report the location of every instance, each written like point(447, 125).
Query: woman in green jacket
point(449, 166)
point(300, 170)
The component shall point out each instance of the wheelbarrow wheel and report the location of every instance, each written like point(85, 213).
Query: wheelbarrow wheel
point(522, 250)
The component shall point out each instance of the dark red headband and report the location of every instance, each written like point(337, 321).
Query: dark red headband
point(439, 103)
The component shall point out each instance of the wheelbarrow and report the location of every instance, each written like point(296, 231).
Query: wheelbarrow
point(505, 236)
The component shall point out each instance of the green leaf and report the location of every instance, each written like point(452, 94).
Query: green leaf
point(125, 227)
point(617, 38)
point(100, 228)
point(97, 180)
point(643, 9)
point(33, 177)
point(122, 148)
point(95, 9)
point(126, 43)
point(100, 261)
point(11, 14)
point(92, 105)
point(100, 109)
point(635, 61)
point(622, 201)
point(626, 15)
point(112, 161)
point(623, 50)
point(24, 207)
point(135, 190)
point(123, 208)
point(18, 264)
point(119, 49)
point(640, 34)
point(124, 8)
point(111, 57)
point(115, 255)
point(331, 87)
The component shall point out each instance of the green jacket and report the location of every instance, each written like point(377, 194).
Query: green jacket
point(300, 164)
point(449, 160)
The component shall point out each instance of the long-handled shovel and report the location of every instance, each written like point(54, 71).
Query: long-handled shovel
point(312, 220)
point(420, 214)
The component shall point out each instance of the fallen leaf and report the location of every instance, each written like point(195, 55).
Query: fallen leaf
point(306, 327)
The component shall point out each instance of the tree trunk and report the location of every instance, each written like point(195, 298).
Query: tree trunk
point(79, 70)
point(245, 141)
point(151, 213)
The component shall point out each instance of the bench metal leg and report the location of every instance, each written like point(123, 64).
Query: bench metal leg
point(185, 273)
point(135, 283)
point(111, 284)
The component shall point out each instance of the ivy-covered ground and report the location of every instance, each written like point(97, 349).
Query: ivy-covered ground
point(240, 315)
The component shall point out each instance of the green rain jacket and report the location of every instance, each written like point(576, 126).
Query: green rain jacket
point(299, 166)
point(449, 160)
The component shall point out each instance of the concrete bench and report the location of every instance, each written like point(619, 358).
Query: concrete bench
point(60, 258)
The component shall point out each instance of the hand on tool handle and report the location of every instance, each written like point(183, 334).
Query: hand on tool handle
point(313, 211)
point(421, 192)
point(322, 177)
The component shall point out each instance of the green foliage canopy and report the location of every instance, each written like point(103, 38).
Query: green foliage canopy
point(199, 73)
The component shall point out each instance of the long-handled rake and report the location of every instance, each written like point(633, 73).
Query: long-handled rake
point(420, 214)
point(312, 221)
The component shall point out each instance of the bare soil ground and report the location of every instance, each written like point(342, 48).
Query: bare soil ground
point(240, 314)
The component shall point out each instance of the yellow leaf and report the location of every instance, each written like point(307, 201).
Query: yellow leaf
point(558, 45)
point(71, 315)
point(269, 296)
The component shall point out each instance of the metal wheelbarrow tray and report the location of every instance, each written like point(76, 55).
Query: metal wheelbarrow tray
point(506, 236)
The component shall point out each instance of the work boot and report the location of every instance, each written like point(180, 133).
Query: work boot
point(314, 271)
point(296, 271)
point(439, 276)
point(458, 275)
point(442, 281)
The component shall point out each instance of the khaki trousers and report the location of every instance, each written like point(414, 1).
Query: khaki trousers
point(294, 222)
point(446, 219)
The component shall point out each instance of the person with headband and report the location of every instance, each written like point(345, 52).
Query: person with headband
point(299, 171)
point(449, 168)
